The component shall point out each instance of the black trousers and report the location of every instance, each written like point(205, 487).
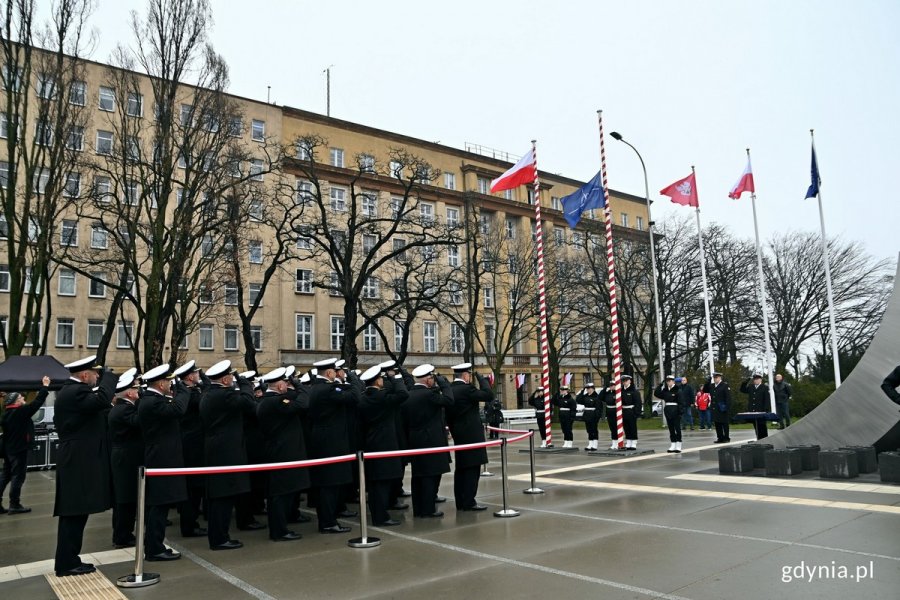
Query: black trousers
point(566, 422)
point(244, 509)
point(279, 508)
point(155, 531)
point(328, 505)
point(611, 423)
point(380, 493)
point(218, 516)
point(465, 485)
point(123, 522)
point(722, 432)
point(541, 424)
point(189, 510)
point(629, 423)
point(761, 428)
point(784, 414)
point(590, 424)
point(424, 493)
point(14, 473)
point(673, 420)
point(69, 536)
point(396, 488)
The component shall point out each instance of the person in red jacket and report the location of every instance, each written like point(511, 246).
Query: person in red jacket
point(18, 433)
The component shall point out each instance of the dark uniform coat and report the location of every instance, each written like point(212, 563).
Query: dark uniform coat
point(192, 436)
point(630, 396)
point(83, 484)
point(567, 401)
point(757, 396)
point(222, 412)
point(668, 395)
point(423, 415)
point(279, 423)
point(378, 410)
point(464, 420)
point(719, 399)
point(18, 428)
point(592, 400)
point(126, 450)
point(328, 430)
point(159, 416)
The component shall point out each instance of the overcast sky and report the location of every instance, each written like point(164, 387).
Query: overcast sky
point(687, 82)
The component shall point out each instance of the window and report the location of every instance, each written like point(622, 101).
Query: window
point(371, 289)
point(304, 332)
point(534, 231)
point(337, 157)
point(97, 285)
point(639, 223)
point(399, 248)
point(490, 335)
point(399, 287)
point(46, 88)
point(34, 333)
point(135, 105)
point(334, 284)
point(576, 238)
point(258, 130)
point(256, 209)
point(304, 192)
point(205, 295)
point(65, 332)
point(511, 228)
point(429, 336)
point(77, 93)
point(66, 282)
point(43, 133)
point(132, 149)
point(531, 196)
point(484, 222)
point(235, 127)
point(429, 253)
point(4, 173)
point(41, 180)
point(7, 126)
point(426, 211)
point(107, 99)
point(555, 204)
point(337, 332)
point(75, 139)
point(125, 334)
point(455, 293)
point(370, 204)
point(254, 251)
point(338, 199)
point(304, 242)
point(186, 115)
point(488, 297)
point(396, 207)
point(452, 217)
point(68, 233)
point(254, 291)
point(396, 169)
point(367, 163)
point(304, 281)
point(399, 334)
point(256, 336)
point(484, 185)
point(211, 122)
point(453, 255)
point(624, 220)
point(34, 229)
point(94, 333)
point(12, 79)
point(231, 338)
point(585, 346)
point(256, 169)
point(559, 235)
point(456, 338)
point(369, 242)
point(340, 239)
point(231, 294)
point(4, 278)
point(303, 150)
point(130, 193)
point(99, 237)
point(510, 194)
point(206, 337)
point(370, 338)
point(104, 142)
point(450, 181)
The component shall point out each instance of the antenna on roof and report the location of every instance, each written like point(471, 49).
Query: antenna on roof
point(268, 94)
point(327, 72)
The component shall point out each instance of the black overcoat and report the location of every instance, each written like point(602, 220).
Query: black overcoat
point(160, 416)
point(719, 398)
point(279, 422)
point(328, 430)
point(378, 410)
point(126, 450)
point(423, 414)
point(192, 437)
point(757, 397)
point(464, 421)
point(222, 412)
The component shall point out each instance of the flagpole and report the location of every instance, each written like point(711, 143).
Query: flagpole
point(613, 302)
point(831, 322)
point(762, 298)
point(705, 288)
point(542, 299)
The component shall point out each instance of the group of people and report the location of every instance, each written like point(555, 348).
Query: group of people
point(109, 426)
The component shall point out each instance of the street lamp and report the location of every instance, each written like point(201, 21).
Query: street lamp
point(659, 347)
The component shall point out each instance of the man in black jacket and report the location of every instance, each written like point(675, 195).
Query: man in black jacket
point(593, 409)
point(18, 432)
point(672, 409)
point(632, 406)
point(82, 466)
point(126, 456)
point(757, 401)
point(567, 406)
point(536, 400)
point(783, 394)
point(192, 447)
point(465, 427)
point(720, 402)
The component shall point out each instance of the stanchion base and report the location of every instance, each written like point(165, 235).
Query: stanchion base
point(366, 542)
point(506, 513)
point(132, 581)
point(534, 490)
point(487, 474)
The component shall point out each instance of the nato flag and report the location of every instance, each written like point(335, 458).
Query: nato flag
point(813, 190)
point(588, 197)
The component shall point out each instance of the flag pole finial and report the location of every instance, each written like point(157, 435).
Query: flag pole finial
point(748, 151)
point(534, 141)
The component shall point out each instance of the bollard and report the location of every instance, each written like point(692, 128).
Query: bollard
point(484, 469)
point(365, 541)
point(139, 578)
point(506, 512)
point(533, 489)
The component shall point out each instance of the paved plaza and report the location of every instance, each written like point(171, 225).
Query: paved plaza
point(653, 526)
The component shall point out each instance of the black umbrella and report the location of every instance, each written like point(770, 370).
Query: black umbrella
point(24, 373)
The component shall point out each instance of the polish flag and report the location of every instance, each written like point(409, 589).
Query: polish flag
point(520, 174)
point(683, 191)
point(520, 380)
point(744, 184)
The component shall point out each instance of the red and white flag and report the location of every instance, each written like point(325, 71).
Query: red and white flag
point(683, 191)
point(744, 184)
point(567, 378)
point(520, 380)
point(490, 378)
point(520, 174)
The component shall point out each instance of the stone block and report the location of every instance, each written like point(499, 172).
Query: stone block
point(838, 464)
point(780, 463)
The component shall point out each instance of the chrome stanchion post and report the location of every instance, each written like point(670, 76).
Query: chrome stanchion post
point(506, 512)
point(533, 489)
point(139, 578)
point(365, 541)
point(484, 470)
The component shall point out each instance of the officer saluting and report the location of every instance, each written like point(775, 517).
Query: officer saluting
point(192, 447)
point(537, 402)
point(593, 406)
point(568, 406)
point(465, 427)
point(720, 401)
point(631, 408)
point(757, 401)
point(126, 455)
point(82, 468)
point(672, 408)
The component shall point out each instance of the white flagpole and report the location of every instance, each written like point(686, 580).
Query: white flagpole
point(834, 346)
point(705, 290)
point(762, 299)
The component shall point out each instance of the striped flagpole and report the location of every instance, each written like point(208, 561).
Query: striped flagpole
point(613, 303)
point(542, 298)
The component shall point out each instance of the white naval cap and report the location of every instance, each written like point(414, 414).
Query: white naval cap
point(132, 371)
point(388, 364)
point(157, 373)
point(185, 369)
point(247, 374)
point(304, 378)
point(289, 371)
point(220, 369)
point(672, 377)
point(339, 364)
point(423, 370)
point(371, 373)
point(126, 381)
point(278, 374)
point(82, 364)
point(462, 367)
point(589, 384)
point(328, 363)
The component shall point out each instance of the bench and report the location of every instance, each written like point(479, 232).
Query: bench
point(516, 418)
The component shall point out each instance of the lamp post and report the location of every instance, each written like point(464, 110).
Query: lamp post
point(659, 346)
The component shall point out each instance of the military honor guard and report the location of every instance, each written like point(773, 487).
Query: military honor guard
point(567, 405)
point(126, 456)
point(593, 408)
point(720, 401)
point(757, 401)
point(192, 446)
point(632, 405)
point(537, 402)
point(464, 421)
point(83, 483)
point(668, 393)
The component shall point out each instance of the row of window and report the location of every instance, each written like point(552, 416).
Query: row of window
point(371, 341)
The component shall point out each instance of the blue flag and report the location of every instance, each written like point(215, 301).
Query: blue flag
point(813, 190)
point(588, 197)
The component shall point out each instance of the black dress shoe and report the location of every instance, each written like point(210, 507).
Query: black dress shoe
point(388, 523)
point(252, 526)
point(290, 536)
point(334, 529)
point(229, 545)
point(168, 523)
point(348, 514)
point(124, 544)
point(169, 554)
point(399, 506)
point(16, 509)
point(82, 569)
point(440, 500)
point(719, 442)
point(435, 515)
point(299, 518)
point(196, 532)
point(477, 507)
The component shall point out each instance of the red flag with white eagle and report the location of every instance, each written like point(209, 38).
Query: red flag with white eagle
point(520, 174)
point(683, 191)
point(744, 184)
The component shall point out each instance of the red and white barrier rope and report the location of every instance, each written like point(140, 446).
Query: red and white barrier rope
point(497, 429)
